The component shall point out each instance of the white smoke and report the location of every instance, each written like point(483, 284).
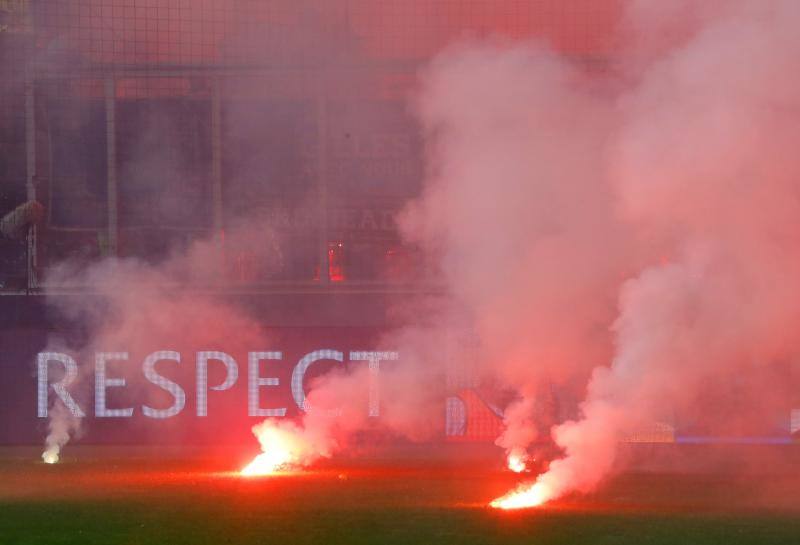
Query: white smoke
point(631, 231)
point(61, 426)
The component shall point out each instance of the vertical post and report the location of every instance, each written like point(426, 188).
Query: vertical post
point(30, 172)
point(322, 177)
point(111, 159)
point(216, 157)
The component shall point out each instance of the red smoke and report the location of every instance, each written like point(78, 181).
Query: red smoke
point(555, 186)
point(553, 195)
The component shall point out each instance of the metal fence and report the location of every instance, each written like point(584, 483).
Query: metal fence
point(136, 128)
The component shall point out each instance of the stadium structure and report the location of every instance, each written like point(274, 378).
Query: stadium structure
point(136, 128)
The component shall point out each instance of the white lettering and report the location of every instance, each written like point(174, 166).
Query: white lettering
point(254, 383)
point(101, 383)
point(299, 373)
point(149, 367)
point(232, 374)
point(374, 359)
point(43, 360)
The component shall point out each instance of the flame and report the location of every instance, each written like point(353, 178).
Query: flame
point(266, 463)
point(531, 495)
point(50, 456)
point(516, 463)
point(282, 447)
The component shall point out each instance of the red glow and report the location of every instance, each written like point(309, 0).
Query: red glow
point(336, 269)
point(526, 496)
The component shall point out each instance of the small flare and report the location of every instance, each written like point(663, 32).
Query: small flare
point(282, 447)
point(266, 463)
point(516, 462)
point(526, 496)
point(50, 456)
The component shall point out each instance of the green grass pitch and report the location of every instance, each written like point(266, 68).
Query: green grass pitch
point(140, 500)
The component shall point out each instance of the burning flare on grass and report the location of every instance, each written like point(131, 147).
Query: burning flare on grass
point(527, 495)
point(267, 463)
point(516, 461)
point(50, 456)
point(283, 446)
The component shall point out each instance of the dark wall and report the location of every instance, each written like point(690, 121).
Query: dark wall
point(295, 324)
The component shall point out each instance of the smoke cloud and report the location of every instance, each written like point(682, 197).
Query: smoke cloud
point(620, 233)
point(404, 388)
point(628, 234)
point(138, 307)
point(62, 426)
point(529, 239)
